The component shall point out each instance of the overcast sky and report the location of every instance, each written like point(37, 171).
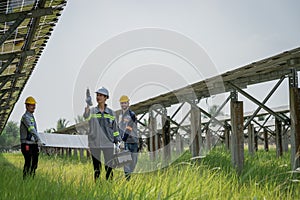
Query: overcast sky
point(230, 33)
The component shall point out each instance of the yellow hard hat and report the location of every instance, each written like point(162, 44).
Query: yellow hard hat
point(30, 100)
point(123, 99)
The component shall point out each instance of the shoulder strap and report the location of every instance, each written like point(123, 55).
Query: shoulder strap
point(132, 115)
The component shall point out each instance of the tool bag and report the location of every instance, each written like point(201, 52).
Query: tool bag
point(122, 158)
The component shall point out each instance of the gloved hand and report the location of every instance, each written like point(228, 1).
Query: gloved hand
point(122, 145)
point(40, 143)
point(117, 147)
point(88, 99)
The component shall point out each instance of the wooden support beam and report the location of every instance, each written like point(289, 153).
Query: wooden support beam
point(179, 144)
point(295, 126)
point(266, 140)
point(251, 139)
point(237, 136)
point(255, 140)
point(166, 136)
point(278, 131)
point(285, 139)
point(195, 137)
point(227, 138)
point(208, 139)
point(153, 138)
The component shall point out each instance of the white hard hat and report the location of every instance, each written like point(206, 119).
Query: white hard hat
point(103, 90)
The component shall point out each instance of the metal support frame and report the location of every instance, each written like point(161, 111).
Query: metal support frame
point(262, 126)
point(28, 14)
point(174, 122)
point(4, 82)
point(264, 101)
point(7, 56)
point(217, 112)
point(248, 96)
point(8, 62)
point(12, 28)
point(206, 113)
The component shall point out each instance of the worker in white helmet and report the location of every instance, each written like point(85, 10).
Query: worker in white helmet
point(128, 131)
point(103, 132)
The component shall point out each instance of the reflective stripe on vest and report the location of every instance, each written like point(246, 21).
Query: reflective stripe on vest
point(97, 116)
point(116, 133)
point(30, 128)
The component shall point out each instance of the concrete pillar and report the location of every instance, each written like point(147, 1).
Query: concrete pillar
point(237, 136)
point(251, 139)
point(278, 131)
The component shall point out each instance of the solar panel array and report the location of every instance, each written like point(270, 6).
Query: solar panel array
point(25, 28)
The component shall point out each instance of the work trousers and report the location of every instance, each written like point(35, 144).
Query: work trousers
point(31, 156)
point(129, 168)
point(108, 161)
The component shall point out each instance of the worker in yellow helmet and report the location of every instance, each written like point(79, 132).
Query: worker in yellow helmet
point(30, 139)
point(128, 132)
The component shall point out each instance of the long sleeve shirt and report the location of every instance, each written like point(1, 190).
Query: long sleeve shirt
point(28, 129)
point(103, 129)
point(127, 124)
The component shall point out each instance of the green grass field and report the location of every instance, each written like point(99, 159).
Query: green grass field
point(264, 177)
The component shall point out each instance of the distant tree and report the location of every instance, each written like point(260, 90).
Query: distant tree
point(49, 130)
point(10, 135)
point(261, 118)
point(212, 110)
point(61, 124)
point(79, 119)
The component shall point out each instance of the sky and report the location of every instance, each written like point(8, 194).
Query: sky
point(145, 48)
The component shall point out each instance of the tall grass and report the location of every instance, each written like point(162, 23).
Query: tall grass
point(264, 177)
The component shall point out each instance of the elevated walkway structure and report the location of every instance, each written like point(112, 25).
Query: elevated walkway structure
point(25, 28)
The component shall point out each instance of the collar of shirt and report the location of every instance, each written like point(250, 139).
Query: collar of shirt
point(105, 109)
point(29, 113)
